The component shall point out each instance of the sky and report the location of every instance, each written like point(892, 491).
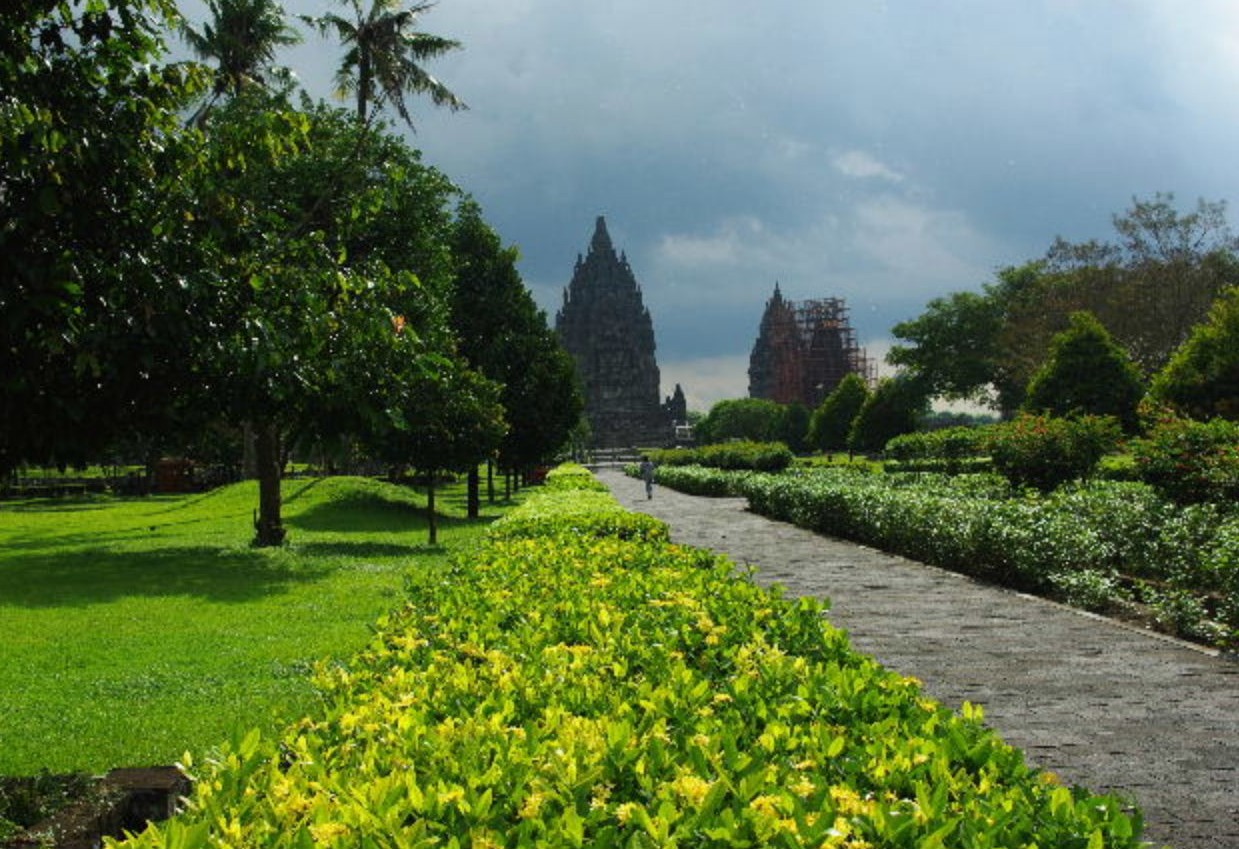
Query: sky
point(886, 153)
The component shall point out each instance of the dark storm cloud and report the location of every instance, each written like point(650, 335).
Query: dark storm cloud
point(885, 152)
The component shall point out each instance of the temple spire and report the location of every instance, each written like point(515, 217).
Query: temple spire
point(602, 239)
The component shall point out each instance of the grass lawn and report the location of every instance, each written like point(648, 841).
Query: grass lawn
point(132, 630)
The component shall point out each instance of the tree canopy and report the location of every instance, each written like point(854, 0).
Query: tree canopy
point(384, 56)
point(1202, 378)
point(1087, 373)
point(1148, 288)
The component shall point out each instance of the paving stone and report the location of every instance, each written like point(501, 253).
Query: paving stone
point(1102, 704)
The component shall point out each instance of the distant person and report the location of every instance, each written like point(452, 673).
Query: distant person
point(647, 475)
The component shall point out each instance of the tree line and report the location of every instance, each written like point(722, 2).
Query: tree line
point(193, 248)
point(1092, 328)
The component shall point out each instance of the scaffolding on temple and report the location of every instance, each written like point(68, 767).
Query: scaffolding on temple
point(804, 350)
point(831, 351)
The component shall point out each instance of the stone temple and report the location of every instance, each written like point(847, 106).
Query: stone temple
point(803, 350)
point(606, 328)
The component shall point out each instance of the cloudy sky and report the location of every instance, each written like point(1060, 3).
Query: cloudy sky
point(883, 152)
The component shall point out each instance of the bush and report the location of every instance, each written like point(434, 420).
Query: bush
point(573, 476)
point(1190, 462)
point(576, 691)
point(1044, 452)
point(751, 456)
point(951, 449)
point(582, 513)
point(1085, 544)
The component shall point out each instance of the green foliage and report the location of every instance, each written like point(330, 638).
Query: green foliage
point(949, 448)
point(590, 691)
point(699, 480)
point(1044, 452)
point(1202, 378)
point(894, 407)
point(831, 422)
point(578, 513)
point(751, 419)
point(241, 39)
point(175, 629)
point(91, 141)
point(1086, 373)
point(503, 334)
point(753, 456)
point(573, 476)
point(384, 56)
point(1149, 289)
point(955, 344)
point(1075, 543)
point(1188, 461)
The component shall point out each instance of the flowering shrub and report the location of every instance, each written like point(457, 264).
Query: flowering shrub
point(699, 480)
point(593, 691)
point(1190, 461)
point(1044, 452)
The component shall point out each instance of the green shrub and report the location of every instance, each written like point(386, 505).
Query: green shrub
point(1074, 543)
point(751, 456)
point(592, 691)
point(1044, 452)
point(573, 476)
point(1188, 461)
point(576, 512)
point(701, 480)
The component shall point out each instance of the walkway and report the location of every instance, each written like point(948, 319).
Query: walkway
point(1103, 705)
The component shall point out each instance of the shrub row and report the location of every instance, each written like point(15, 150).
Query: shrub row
point(569, 690)
point(573, 476)
point(1094, 545)
point(753, 456)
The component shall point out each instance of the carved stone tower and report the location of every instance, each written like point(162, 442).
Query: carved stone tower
point(776, 367)
point(608, 331)
point(803, 350)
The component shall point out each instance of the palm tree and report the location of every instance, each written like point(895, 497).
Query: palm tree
point(241, 39)
point(383, 56)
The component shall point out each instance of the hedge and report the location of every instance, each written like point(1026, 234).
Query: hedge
point(581, 690)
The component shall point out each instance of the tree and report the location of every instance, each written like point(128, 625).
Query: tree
point(756, 419)
point(1087, 373)
point(444, 418)
point(1202, 378)
point(1148, 289)
point(241, 39)
point(832, 420)
point(91, 317)
point(384, 55)
point(794, 431)
point(504, 335)
point(894, 407)
point(294, 333)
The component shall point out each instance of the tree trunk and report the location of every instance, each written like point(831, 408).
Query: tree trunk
point(490, 480)
point(249, 457)
point(475, 495)
point(430, 510)
point(268, 524)
point(507, 485)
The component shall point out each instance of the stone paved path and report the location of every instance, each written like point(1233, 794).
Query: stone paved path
point(1103, 705)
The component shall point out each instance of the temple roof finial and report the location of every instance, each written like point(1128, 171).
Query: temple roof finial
point(602, 239)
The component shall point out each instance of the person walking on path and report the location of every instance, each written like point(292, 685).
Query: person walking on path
point(647, 475)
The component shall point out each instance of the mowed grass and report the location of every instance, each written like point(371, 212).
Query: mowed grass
point(132, 630)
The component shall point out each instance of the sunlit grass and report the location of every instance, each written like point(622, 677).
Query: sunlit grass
point(132, 630)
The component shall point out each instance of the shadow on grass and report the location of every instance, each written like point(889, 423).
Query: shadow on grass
point(365, 514)
point(363, 549)
point(79, 578)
